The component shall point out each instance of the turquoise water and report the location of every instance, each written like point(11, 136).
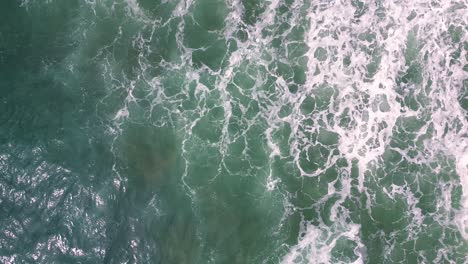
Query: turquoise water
point(237, 131)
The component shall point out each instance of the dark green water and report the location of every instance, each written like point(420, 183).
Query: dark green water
point(237, 131)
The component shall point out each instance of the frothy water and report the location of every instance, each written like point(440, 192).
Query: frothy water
point(234, 131)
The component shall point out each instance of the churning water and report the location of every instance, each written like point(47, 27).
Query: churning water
point(233, 131)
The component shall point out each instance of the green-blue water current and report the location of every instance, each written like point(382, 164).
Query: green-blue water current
point(235, 131)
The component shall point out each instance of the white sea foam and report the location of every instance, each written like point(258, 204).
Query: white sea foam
point(334, 27)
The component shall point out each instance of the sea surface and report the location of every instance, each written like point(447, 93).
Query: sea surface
point(233, 131)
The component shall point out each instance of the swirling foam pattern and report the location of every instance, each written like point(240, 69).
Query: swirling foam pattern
point(233, 131)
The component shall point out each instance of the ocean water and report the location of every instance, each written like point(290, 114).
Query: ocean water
point(233, 131)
